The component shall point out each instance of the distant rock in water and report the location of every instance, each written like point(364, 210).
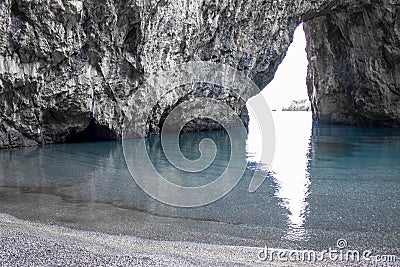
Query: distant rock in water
point(299, 105)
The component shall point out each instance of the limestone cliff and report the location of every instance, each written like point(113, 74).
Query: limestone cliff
point(354, 65)
point(67, 67)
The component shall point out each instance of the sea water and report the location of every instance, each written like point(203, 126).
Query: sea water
point(325, 183)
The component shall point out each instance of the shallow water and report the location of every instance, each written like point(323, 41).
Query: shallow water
point(326, 183)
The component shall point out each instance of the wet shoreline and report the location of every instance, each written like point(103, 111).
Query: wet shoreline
point(115, 219)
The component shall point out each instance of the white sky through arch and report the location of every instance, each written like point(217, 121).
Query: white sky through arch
point(288, 84)
point(290, 79)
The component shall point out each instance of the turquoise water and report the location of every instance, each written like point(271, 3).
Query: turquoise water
point(326, 183)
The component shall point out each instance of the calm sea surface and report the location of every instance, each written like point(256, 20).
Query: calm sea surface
point(326, 183)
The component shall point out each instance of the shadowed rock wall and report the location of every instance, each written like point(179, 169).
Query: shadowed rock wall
point(354, 71)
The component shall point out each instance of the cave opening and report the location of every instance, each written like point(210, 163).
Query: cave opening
point(92, 133)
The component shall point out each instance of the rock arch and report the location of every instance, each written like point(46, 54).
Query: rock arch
point(88, 57)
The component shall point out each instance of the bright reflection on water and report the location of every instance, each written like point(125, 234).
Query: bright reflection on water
point(290, 171)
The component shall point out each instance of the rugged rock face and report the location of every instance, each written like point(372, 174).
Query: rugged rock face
point(354, 71)
point(68, 67)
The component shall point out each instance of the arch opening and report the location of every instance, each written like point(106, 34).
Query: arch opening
point(287, 97)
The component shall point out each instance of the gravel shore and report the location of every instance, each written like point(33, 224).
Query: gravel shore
point(25, 243)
